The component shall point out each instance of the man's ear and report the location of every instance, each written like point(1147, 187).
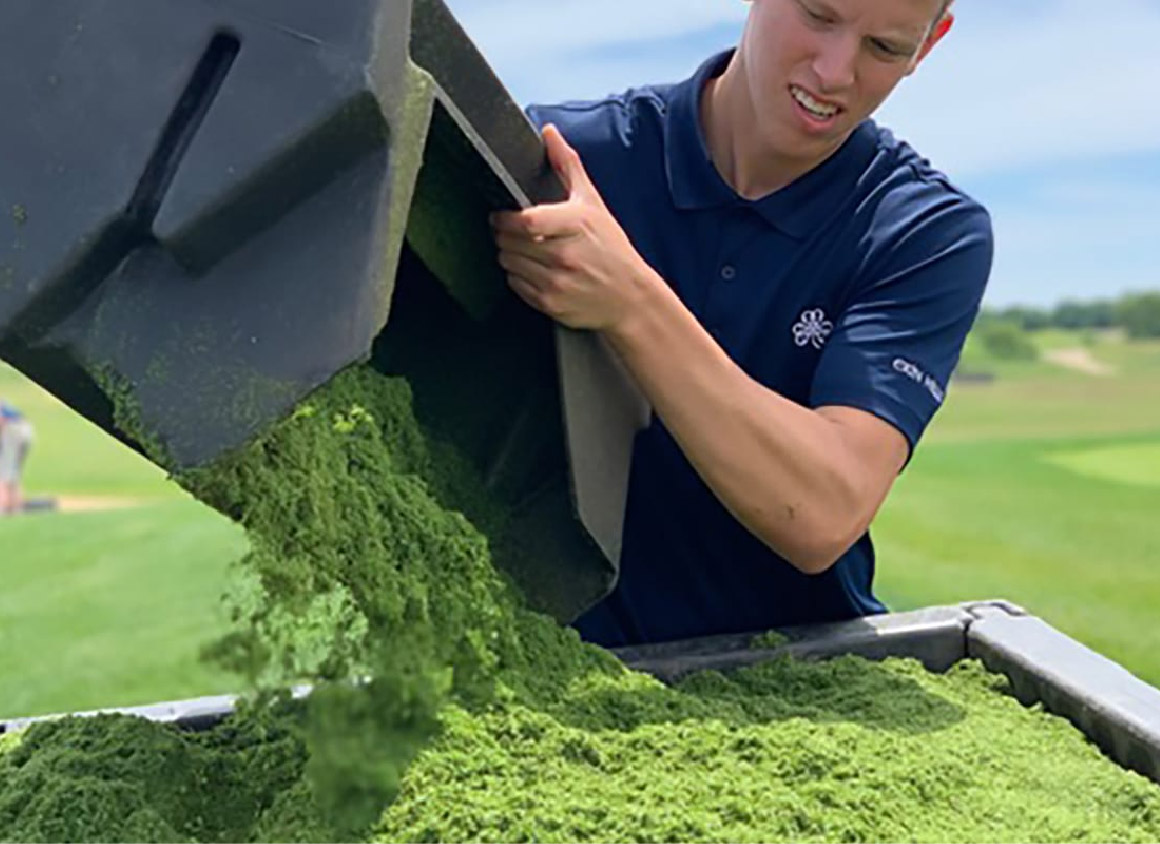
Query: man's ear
point(936, 34)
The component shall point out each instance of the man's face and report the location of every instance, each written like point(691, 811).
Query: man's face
point(817, 68)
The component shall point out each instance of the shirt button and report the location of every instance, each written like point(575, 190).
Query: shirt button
point(728, 272)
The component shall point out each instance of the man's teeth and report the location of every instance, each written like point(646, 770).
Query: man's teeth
point(811, 105)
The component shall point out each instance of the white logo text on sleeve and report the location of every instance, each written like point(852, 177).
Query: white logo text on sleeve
point(915, 373)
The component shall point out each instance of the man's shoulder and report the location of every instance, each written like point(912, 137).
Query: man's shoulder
point(912, 221)
point(909, 203)
point(614, 123)
point(910, 185)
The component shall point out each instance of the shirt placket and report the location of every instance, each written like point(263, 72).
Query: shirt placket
point(724, 301)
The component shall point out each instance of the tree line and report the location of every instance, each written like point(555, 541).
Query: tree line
point(1137, 314)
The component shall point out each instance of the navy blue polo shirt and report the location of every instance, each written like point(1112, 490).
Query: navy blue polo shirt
point(854, 285)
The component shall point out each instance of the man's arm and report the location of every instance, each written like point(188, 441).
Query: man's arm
point(806, 482)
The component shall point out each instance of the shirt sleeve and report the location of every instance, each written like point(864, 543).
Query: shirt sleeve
point(535, 114)
point(896, 343)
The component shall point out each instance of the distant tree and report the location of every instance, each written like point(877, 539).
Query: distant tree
point(1027, 318)
point(1104, 315)
point(1006, 341)
point(986, 317)
point(1034, 319)
point(1139, 314)
point(1074, 315)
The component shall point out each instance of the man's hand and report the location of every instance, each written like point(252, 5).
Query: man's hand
point(571, 260)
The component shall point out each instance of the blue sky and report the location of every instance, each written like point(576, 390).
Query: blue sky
point(1048, 111)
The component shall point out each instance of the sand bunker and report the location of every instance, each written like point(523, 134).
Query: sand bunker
point(86, 503)
point(1079, 359)
point(39, 504)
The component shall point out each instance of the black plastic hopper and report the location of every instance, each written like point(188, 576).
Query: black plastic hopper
point(210, 207)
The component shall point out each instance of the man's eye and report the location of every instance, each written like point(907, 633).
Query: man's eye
point(886, 49)
point(814, 15)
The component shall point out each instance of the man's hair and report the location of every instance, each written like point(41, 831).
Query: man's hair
point(943, 8)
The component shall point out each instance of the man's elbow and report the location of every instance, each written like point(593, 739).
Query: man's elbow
point(816, 550)
point(814, 561)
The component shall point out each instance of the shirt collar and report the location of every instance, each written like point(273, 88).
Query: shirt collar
point(797, 209)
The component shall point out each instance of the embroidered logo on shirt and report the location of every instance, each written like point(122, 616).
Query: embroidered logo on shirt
point(812, 329)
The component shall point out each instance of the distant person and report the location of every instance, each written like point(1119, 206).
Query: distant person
point(15, 441)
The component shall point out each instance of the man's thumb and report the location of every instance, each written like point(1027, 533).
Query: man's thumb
point(565, 161)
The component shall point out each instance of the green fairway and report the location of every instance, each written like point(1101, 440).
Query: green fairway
point(109, 608)
point(1131, 463)
point(1001, 519)
point(106, 606)
point(1042, 487)
point(1039, 487)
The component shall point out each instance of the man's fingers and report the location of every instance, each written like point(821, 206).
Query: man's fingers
point(527, 268)
point(541, 222)
point(510, 222)
point(533, 249)
point(566, 162)
point(561, 156)
point(526, 291)
point(554, 220)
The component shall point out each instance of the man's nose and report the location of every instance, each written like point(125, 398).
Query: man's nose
point(835, 62)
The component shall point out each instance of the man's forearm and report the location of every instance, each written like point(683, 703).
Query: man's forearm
point(781, 469)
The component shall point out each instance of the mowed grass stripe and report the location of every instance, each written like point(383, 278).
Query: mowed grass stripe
point(999, 519)
point(109, 608)
point(1063, 405)
point(1131, 463)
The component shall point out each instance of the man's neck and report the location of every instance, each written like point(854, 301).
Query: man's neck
point(729, 124)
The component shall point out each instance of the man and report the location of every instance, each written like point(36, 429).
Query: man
point(15, 440)
point(789, 285)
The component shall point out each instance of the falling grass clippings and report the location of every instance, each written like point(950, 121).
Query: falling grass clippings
point(364, 584)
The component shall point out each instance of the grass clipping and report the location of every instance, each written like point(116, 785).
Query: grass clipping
point(443, 710)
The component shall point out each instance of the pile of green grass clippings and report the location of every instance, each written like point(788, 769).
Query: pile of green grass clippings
point(444, 710)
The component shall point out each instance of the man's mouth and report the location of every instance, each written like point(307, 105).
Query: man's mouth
point(820, 109)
